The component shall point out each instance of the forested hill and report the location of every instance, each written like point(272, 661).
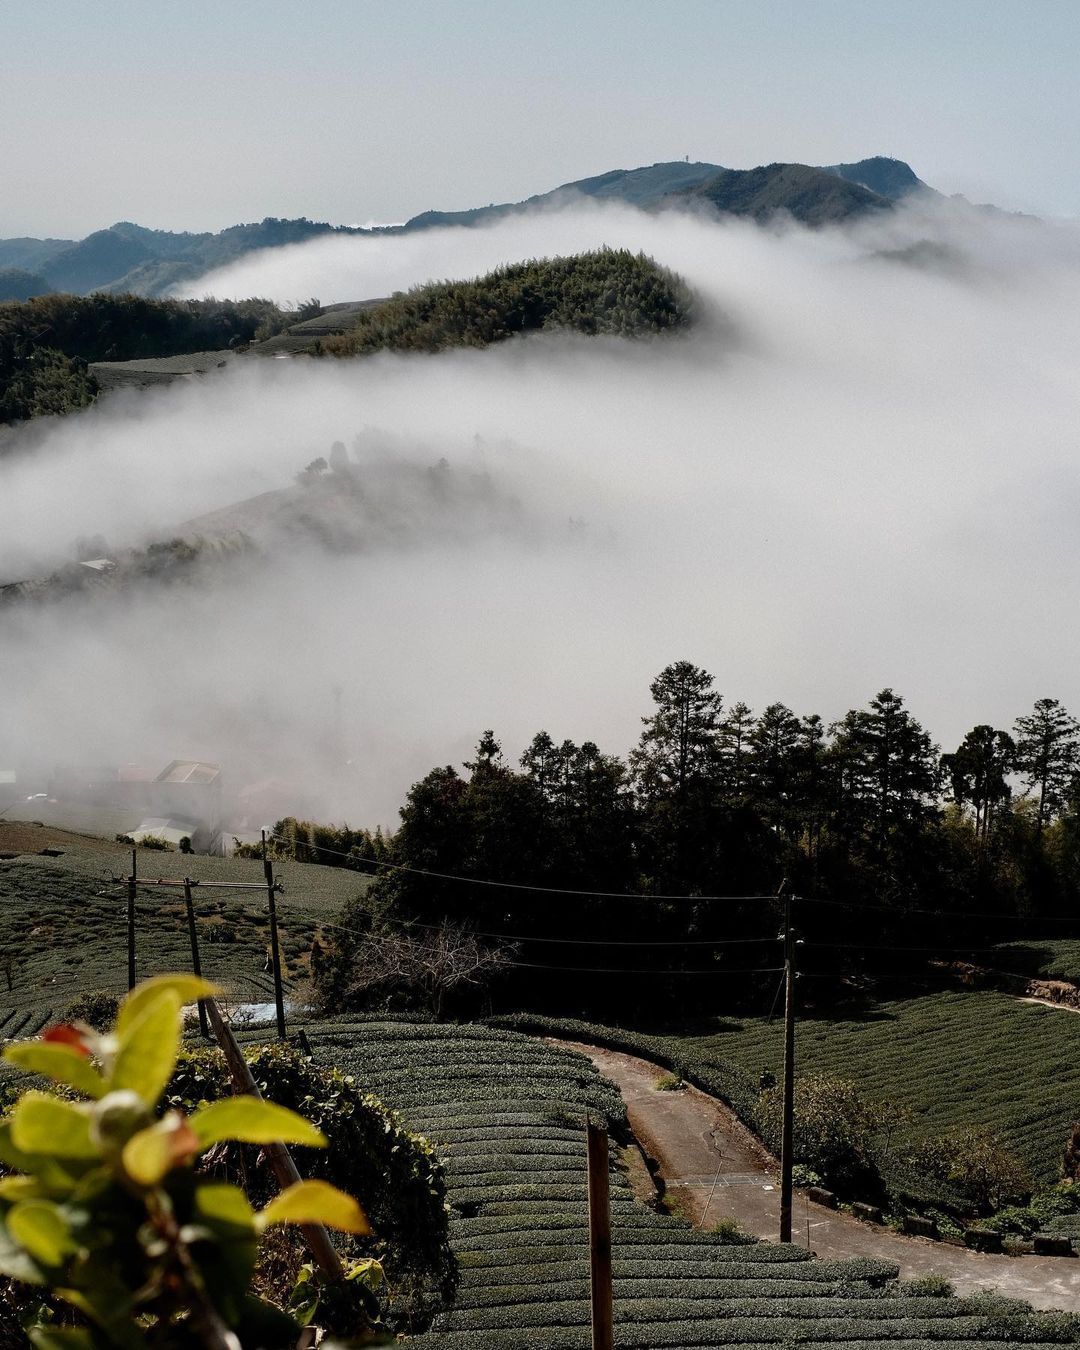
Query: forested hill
point(47, 343)
point(130, 258)
point(812, 196)
point(610, 291)
point(809, 194)
point(49, 346)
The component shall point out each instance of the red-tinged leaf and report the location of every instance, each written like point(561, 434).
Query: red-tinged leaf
point(66, 1034)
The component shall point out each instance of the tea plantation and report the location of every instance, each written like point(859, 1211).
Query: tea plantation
point(63, 926)
point(981, 1058)
point(508, 1112)
point(1049, 959)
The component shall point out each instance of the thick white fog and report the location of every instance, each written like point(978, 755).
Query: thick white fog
point(858, 470)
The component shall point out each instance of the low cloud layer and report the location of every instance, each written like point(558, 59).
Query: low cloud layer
point(860, 469)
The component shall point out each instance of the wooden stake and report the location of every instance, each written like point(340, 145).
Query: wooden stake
point(196, 964)
point(131, 921)
point(599, 1238)
point(788, 1132)
point(279, 1157)
point(271, 892)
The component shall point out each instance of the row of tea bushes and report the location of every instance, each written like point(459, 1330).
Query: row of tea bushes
point(508, 1112)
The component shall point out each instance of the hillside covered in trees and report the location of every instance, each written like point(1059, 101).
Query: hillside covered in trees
point(46, 343)
point(609, 291)
point(901, 852)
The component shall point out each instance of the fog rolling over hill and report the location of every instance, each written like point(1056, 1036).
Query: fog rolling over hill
point(855, 470)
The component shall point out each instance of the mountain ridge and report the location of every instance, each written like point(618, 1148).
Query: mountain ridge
point(126, 257)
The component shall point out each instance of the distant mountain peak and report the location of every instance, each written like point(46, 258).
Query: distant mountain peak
point(127, 256)
point(887, 177)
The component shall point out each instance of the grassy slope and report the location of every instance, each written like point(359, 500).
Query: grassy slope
point(981, 1058)
point(507, 1110)
point(63, 926)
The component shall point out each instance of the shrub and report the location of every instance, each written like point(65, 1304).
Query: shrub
point(729, 1233)
point(155, 843)
point(97, 1008)
point(973, 1158)
point(104, 1209)
point(369, 1152)
point(802, 1176)
point(927, 1286)
point(834, 1127)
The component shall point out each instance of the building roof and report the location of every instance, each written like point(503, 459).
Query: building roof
point(189, 771)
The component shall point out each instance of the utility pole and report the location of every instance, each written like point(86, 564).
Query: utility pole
point(196, 964)
point(271, 892)
point(131, 921)
point(599, 1238)
point(788, 1132)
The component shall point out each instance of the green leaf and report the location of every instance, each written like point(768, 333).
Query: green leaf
point(60, 1338)
point(187, 989)
point(47, 1125)
point(251, 1121)
point(315, 1202)
point(151, 1153)
point(49, 1171)
point(40, 1228)
point(146, 1055)
point(62, 1063)
point(226, 1264)
point(17, 1263)
point(14, 1188)
point(218, 1202)
point(103, 1298)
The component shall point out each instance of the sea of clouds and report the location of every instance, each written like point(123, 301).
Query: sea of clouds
point(859, 469)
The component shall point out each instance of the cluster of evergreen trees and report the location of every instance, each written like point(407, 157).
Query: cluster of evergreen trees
point(609, 291)
point(47, 342)
point(893, 845)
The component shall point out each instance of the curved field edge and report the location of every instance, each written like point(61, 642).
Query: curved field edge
point(950, 1058)
point(507, 1111)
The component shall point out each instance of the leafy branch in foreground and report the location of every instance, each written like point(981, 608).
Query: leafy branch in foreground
point(103, 1206)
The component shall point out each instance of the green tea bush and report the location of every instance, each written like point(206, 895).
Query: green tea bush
point(102, 1206)
point(97, 1008)
point(368, 1151)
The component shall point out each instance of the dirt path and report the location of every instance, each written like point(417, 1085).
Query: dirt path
point(717, 1169)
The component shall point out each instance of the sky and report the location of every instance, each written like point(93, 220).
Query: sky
point(200, 115)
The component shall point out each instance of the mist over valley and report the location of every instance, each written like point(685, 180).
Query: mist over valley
point(855, 468)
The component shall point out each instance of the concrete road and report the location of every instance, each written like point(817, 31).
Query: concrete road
point(715, 1168)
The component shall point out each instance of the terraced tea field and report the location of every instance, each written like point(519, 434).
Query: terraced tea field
point(508, 1112)
point(951, 1058)
point(1052, 959)
point(63, 926)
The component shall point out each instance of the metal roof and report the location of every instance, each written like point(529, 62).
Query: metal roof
point(188, 771)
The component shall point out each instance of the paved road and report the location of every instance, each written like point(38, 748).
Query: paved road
point(716, 1168)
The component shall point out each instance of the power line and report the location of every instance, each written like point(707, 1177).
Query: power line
point(502, 885)
point(571, 942)
point(653, 971)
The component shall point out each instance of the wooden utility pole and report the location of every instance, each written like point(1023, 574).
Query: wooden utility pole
point(279, 1157)
point(788, 1132)
point(599, 1238)
point(271, 892)
point(131, 921)
point(196, 964)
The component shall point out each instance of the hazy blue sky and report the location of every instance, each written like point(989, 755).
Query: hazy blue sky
point(197, 115)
